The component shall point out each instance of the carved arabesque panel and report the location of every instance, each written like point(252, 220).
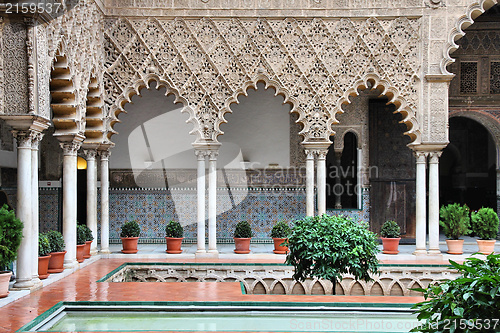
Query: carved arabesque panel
point(315, 63)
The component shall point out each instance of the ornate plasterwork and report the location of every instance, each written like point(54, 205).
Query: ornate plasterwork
point(316, 64)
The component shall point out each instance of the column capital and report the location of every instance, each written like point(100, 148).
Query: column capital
point(309, 154)
point(434, 156)
point(104, 154)
point(24, 138)
point(420, 156)
point(36, 139)
point(70, 148)
point(212, 155)
point(321, 153)
point(90, 153)
point(201, 154)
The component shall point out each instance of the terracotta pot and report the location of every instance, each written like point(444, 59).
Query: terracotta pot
point(174, 245)
point(486, 246)
point(129, 244)
point(79, 252)
point(56, 262)
point(86, 251)
point(4, 283)
point(242, 245)
point(390, 245)
point(280, 249)
point(43, 267)
point(455, 246)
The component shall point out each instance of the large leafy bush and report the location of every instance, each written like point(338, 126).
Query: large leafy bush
point(485, 223)
point(455, 220)
point(11, 233)
point(471, 303)
point(329, 246)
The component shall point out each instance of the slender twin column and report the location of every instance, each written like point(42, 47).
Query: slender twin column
point(36, 138)
point(104, 154)
point(90, 155)
point(24, 276)
point(202, 154)
point(433, 203)
point(70, 150)
point(338, 164)
point(320, 153)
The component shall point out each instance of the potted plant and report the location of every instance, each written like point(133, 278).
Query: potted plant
point(242, 236)
point(485, 226)
point(11, 233)
point(43, 256)
point(455, 221)
point(56, 262)
point(173, 236)
point(81, 237)
point(279, 234)
point(130, 237)
point(329, 247)
point(88, 241)
point(390, 233)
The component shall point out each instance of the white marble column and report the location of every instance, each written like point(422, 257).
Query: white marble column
point(200, 192)
point(212, 201)
point(24, 274)
point(338, 184)
point(37, 137)
point(69, 201)
point(104, 154)
point(359, 186)
point(420, 227)
point(434, 203)
point(90, 155)
point(321, 180)
point(309, 183)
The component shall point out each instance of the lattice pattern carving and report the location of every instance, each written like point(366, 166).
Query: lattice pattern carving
point(314, 63)
point(495, 77)
point(468, 77)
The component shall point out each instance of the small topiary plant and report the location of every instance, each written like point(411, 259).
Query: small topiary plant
point(88, 234)
point(11, 233)
point(243, 230)
point(130, 229)
point(455, 220)
point(81, 234)
point(174, 229)
point(281, 230)
point(44, 248)
point(468, 304)
point(485, 223)
point(390, 229)
point(56, 241)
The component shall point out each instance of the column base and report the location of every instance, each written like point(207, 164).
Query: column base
point(420, 253)
point(105, 251)
point(209, 255)
point(201, 251)
point(434, 252)
point(23, 285)
point(93, 252)
point(71, 264)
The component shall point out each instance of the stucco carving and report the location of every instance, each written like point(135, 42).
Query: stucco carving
point(316, 64)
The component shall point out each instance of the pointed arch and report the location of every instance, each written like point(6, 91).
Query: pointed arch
point(463, 22)
point(373, 81)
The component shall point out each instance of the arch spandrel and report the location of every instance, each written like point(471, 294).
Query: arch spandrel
point(315, 63)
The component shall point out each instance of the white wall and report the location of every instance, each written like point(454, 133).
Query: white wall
point(155, 130)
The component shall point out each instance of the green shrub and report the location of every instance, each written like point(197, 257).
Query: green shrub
point(485, 223)
point(243, 230)
point(390, 229)
point(56, 241)
point(329, 246)
point(11, 233)
point(471, 300)
point(455, 220)
point(81, 234)
point(130, 229)
point(281, 230)
point(44, 248)
point(174, 229)
point(88, 234)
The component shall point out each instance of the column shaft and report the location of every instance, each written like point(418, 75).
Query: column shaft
point(434, 203)
point(321, 181)
point(92, 197)
point(212, 202)
point(338, 183)
point(200, 192)
point(359, 186)
point(35, 204)
point(24, 274)
point(420, 228)
point(309, 183)
point(69, 202)
point(105, 201)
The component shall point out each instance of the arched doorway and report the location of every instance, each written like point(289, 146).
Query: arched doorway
point(467, 168)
